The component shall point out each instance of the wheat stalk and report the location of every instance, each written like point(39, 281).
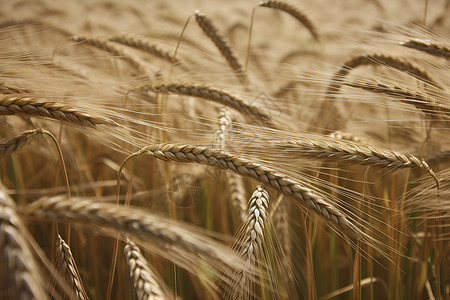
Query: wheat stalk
point(177, 242)
point(294, 12)
point(19, 271)
point(432, 48)
point(65, 264)
point(146, 283)
point(304, 196)
point(350, 152)
point(413, 97)
point(207, 92)
point(221, 43)
point(33, 106)
point(143, 44)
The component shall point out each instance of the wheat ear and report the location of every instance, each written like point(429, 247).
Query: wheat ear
point(235, 182)
point(305, 197)
point(175, 241)
point(33, 106)
point(146, 283)
point(207, 92)
point(20, 277)
point(14, 144)
point(376, 59)
point(252, 246)
point(221, 43)
point(419, 100)
point(432, 48)
point(114, 50)
point(143, 44)
point(294, 12)
point(350, 152)
point(65, 264)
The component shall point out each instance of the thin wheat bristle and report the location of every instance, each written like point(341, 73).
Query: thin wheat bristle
point(146, 283)
point(306, 197)
point(19, 271)
point(203, 91)
point(143, 44)
point(350, 152)
point(294, 12)
point(419, 100)
point(32, 106)
point(6, 89)
point(15, 143)
point(427, 46)
point(65, 264)
point(378, 59)
point(221, 43)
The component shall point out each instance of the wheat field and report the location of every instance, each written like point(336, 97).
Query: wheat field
point(225, 150)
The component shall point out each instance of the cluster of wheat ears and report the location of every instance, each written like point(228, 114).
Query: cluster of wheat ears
point(238, 150)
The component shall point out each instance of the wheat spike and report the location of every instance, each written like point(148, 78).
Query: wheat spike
point(221, 43)
point(114, 50)
point(252, 246)
point(14, 144)
point(146, 283)
point(419, 100)
point(294, 12)
point(177, 242)
point(143, 44)
point(203, 91)
point(65, 264)
point(376, 59)
point(20, 277)
point(432, 48)
point(350, 152)
point(33, 106)
point(304, 196)
point(5, 89)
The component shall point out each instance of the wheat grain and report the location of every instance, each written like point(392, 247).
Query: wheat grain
point(19, 271)
point(351, 152)
point(33, 106)
point(348, 136)
point(304, 196)
point(207, 92)
point(65, 264)
point(143, 44)
point(413, 97)
point(146, 283)
point(221, 43)
point(294, 12)
point(432, 48)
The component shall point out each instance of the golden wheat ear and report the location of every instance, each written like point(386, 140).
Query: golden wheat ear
point(295, 12)
point(432, 48)
point(147, 284)
point(66, 266)
point(20, 276)
point(221, 43)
